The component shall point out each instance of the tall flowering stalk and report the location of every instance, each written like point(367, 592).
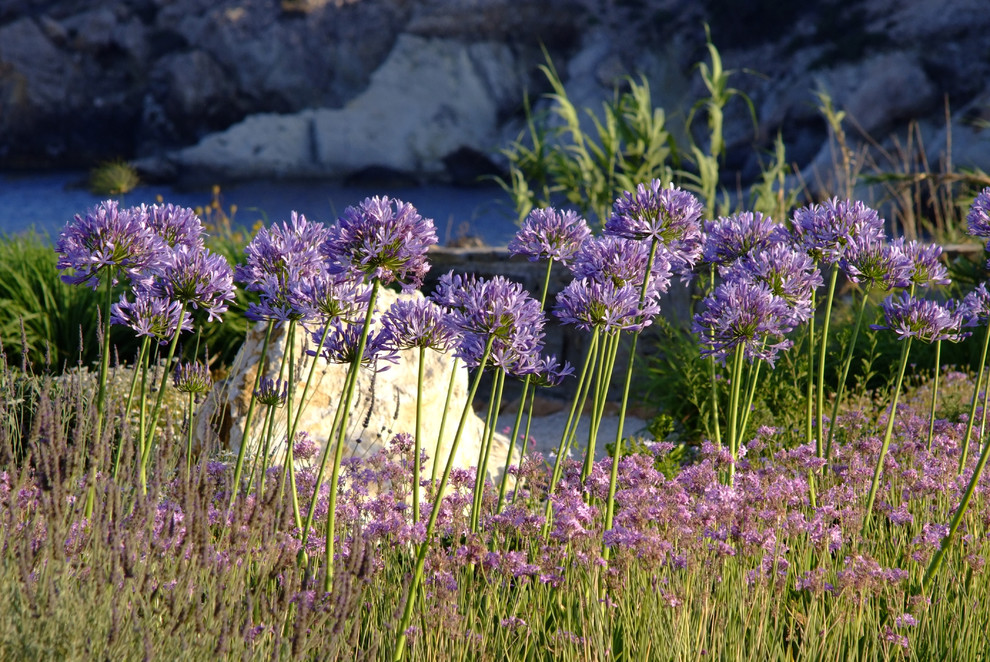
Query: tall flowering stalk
point(385, 240)
point(193, 379)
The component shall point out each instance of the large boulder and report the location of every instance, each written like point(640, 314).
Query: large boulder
point(384, 403)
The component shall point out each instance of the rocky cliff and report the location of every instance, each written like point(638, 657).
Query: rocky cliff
point(223, 89)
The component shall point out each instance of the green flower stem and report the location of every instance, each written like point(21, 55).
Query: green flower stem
point(166, 371)
point(737, 365)
point(322, 468)
point(290, 464)
point(617, 455)
point(417, 445)
point(101, 393)
point(886, 438)
point(931, 417)
point(265, 448)
point(957, 518)
point(443, 419)
point(840, 387)
point(142, 361)
point(809, 423)
point(712, 372)
point(820, 377)
point(522, 401)
point(482, 468)
point(417, 575)
point(142, 429)
point(529, 420)
point(976, 397)
point(245, 436)
point(754, 377)
point(584, 381)
point(602, 378)
point(345, 403)
point(189, 435)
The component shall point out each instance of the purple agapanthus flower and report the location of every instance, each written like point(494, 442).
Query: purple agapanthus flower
point(669, 215)
point(196, 277)
point(975, 306)
point(272, 392)
point(383, 238)
point(923, 319)
point(747, 315)
point(873, 263)
point(589, 304)
point(282, 299)
point(549, 372)
point(343, 338)
point(825, 230)
point(790, 275)
point(548, 234)
point(926, 267)
point(418, 323)
point(150, 316)
point(177, 226)
point(107, 240)
point(497, 308)
point(333, 296)
point(192, 377)
point(623, 262)
point(728, 239)
point(292, 248)
point(978, 218)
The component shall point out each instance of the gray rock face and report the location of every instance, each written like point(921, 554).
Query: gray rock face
point(227, 89)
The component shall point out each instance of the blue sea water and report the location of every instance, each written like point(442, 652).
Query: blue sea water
point(47, 201)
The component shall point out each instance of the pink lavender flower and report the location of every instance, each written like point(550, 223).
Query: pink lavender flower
point(548, 234)
point(590, 304)
point(871, 262)
point(668, 215)
point(192, 377)
point(728, 239)
point(196, 277)
point(923, 319)
point(926, 268)
point(790, 275)
point(978, 218)
point(824, 230)
point(418, 323)
point(150, 316)
point(107, 239)
point(383, 238)
point(747, 315)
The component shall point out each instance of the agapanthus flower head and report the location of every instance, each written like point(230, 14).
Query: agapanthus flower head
point(790, 275)
point(548, 234)
point(730, 238)
point(589, 304)
point(177, 226)
point(494, 308)
point(978, 218)
point(340, 295)
point(975, 306)
point(743, 314)
point(922, 319)
point(343, 340)
point(873, 263)
point(107, 240)
point(418, 323)
point(825, 230)
point(282, 299)
point(383, 238)
point(192, 377)
point(196, 277)
point(276, 252)
point(623, 262)
point(926, 267)
point(549, 372)
point(272, 392)
point(668, 215)
point(150, 316)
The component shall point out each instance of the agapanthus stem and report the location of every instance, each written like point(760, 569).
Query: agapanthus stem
point(809, 423)
point(319, 473)
point(443, 419)
point(976, 398)
point(101, 393)
point(482, 468)
point(417, 576)
point(417, 446)
point(602, 378)
point(886, 438)
point(138, 367)
point(522, 453)
point(246, 435)
point(309, 381)
point(735, 386)
point(166, 371)
point(820, 377)
point(957, 518)
point(840, 387)
point(269, 424)
point(712, 372)
point(754, 378)
point(931, 417)
point(289, 439)
point(189, 435)
point(345, 402)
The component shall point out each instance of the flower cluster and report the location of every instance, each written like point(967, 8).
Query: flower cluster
point(825, 230)
point(923, 319)
point(746, 315)
point(730, 238)
point(548, 234)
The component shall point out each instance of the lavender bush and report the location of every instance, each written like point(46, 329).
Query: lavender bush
point(120, 538)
